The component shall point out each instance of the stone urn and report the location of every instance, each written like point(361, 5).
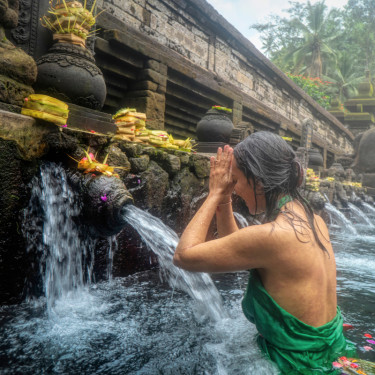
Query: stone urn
point(215, 126)
point(315, 158)
point(68, 72)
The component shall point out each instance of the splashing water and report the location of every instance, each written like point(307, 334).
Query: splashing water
point(62, 247)
point(360, 215)
point(339, 218)
point(112, 248)
point(138, 326)
point(369, 208)
point(163, 241)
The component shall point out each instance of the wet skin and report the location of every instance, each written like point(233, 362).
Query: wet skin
point(294, 270)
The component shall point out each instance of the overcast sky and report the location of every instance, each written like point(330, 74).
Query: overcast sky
point(243, 13)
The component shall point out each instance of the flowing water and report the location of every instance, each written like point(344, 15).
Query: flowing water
point(169, 322)
point(359, 216)
point(338, 219)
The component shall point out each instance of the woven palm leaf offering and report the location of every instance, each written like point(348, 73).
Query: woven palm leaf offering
point(46, 108)
point(131, 126)
point(89, 164)
point(128, 121)
point(70, 21)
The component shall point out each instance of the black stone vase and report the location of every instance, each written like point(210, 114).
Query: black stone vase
point(315, 158)
point(215, 126)
point(68, 72)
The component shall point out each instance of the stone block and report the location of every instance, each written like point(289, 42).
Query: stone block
point(369, 180)
point(200, 165)
point(131, 149)
point(143, 85)
point(139, 164)
point(16, 64)
point(140, 93)
point(155, 184)
point(28, 133)
point(161, 89)
point(151, 75)
point(184, 158)
point(172, 164)
point(13, 92)
point(119, 159)
point(157, 67)
point(153, 105)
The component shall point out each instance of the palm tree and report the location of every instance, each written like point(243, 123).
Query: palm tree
point(344, 77)
point(318, 30)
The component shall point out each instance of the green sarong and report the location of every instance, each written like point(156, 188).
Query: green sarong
point(296, 347)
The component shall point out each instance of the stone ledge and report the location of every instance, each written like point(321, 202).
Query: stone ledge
point(26, 132)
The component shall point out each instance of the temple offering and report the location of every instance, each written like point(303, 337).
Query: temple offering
point(46, 108)
point(131, 126)
point(70, 21)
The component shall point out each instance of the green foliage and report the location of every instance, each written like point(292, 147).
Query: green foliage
point(337, 46)
point(301, 42)
point(314, 87)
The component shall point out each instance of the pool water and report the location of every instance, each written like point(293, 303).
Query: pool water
point(167, 322)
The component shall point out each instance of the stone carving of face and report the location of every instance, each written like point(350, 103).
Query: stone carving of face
point(9, 13)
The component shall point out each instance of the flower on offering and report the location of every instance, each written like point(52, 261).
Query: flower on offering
point(347, 326)
point(89, 164)
point(354, 366)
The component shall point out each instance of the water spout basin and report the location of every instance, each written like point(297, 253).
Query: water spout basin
point(104, 199)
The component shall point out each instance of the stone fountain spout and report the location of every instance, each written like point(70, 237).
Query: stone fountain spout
point(104, 200)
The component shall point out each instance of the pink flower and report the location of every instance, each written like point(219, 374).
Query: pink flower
point(368, 348)
point(104, 198)
point(336, 364)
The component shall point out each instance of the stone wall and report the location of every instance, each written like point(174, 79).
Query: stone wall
point(208, 61)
